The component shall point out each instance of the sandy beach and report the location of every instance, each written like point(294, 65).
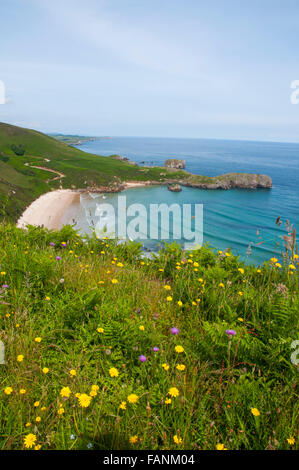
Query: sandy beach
point(49, 209)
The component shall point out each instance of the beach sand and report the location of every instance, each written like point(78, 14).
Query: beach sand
point(48, 209)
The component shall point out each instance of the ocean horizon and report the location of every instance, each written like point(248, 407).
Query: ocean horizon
point(235, 219)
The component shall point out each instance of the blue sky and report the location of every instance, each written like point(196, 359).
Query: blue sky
point(173, 68)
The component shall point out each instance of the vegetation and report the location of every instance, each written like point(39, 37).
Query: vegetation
point(105, 349)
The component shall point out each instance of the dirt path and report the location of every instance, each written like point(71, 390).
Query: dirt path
point(60, 175)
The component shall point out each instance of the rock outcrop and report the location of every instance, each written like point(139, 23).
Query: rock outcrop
point(175, 164)
point(176, 188)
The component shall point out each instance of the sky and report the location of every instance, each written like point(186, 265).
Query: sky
point(163, 68)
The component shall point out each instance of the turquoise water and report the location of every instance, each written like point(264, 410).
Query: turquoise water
point(233, 218)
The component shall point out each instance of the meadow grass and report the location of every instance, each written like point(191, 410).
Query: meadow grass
point(78, 315)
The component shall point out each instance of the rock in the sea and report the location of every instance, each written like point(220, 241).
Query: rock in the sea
point(174, 163)
point(175, 188)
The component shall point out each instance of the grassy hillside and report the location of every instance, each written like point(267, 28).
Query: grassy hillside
point(24, 183)
point(78, 316)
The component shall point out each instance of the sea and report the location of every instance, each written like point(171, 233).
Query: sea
point(242, 220)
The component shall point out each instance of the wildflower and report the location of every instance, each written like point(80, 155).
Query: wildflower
point(20, 358)
point(38, 447)
point(169, 298)
point(180, 303)
point(167, 401)
point(177, 440)
point(291, 440)
point(93, 393)
point(296, 256)
point(60, 411)
point(36, 404)
point(3, 273)
point(259, 271)
point(47, 299)
point(113, 372)
point(8, 390)
point(227, 254)
point(22, 391)
point(155, 349)
point(167, 287)
point(123, 405)
point(240, 319)
point(278, 265)
point(100, 330)
point(58, 258)
point(114, 281)
point(174, 331)
point(241, 270)
point(29, 440)
point(291, 266)
point(173, 392)
point(38, 419)
point(27, 425)
point(133, 439)
point(179, 349)
point(141, 328)
point(165, 366)
point(181, 367)
point(273, 260)
point(221, 284)
point(255, 412)
point(84, 400)
point(133, 398)
point(231, 332)
point(240, 293)
point(43, 408)
point(142, 358)
point(95, 388)
point(45, 370)
point(37, 339)
point(52, 244)
point(65, 392)
point(73, 373)
point(220, 447)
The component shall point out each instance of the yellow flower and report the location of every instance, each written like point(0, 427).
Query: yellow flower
point(195, 264)
point(180, 303)
point(47, 298)
point(38, 447)
point(93, 393)
point(29, 440)
point(38, 419)
point(200, 280)
point(165, 366)
point(73, 373)
point(167, 401)
point(173, 392)
point(8, 390)
point(296, 256)
point(22, 391)
point(179, 349)
point(278, 265)
point(241, 270)
point(37, 339)
point(181, 367)
point(291, 440)
point(113, 372)
point(255, 412)
point(84, 400)
point(43, 408)
point(20, 358)
point(240, 319)
point(259, 271)
point(273, 260)
point(227, 254)
point(95, 388)
point(28, 425)
point(133, 398)
point(36, 404)
point(45, 370)
point(240, 293)
point(133, 439)
point(221, 284)
point(167, 287)
point(100, 330)
point(169, 298)
point(141, 328)
point(123, 405)
point(65, 392)
point(60, 411)
point(291, 266)
point(220, 447)
point(177, 440)
point(114, 281)
point(3, 273)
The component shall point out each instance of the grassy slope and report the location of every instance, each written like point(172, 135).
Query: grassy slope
point(81, 169)
point(223, 379)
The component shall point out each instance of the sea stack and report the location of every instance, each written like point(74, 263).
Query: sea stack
point(174, 163)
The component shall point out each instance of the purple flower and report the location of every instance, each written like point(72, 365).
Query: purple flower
point(138, 310)
point(142, 358)
point(174, 330)
point(155, 349)
point(58, 258)
point(231, 332)
point(5, 286)
point(52, 244)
